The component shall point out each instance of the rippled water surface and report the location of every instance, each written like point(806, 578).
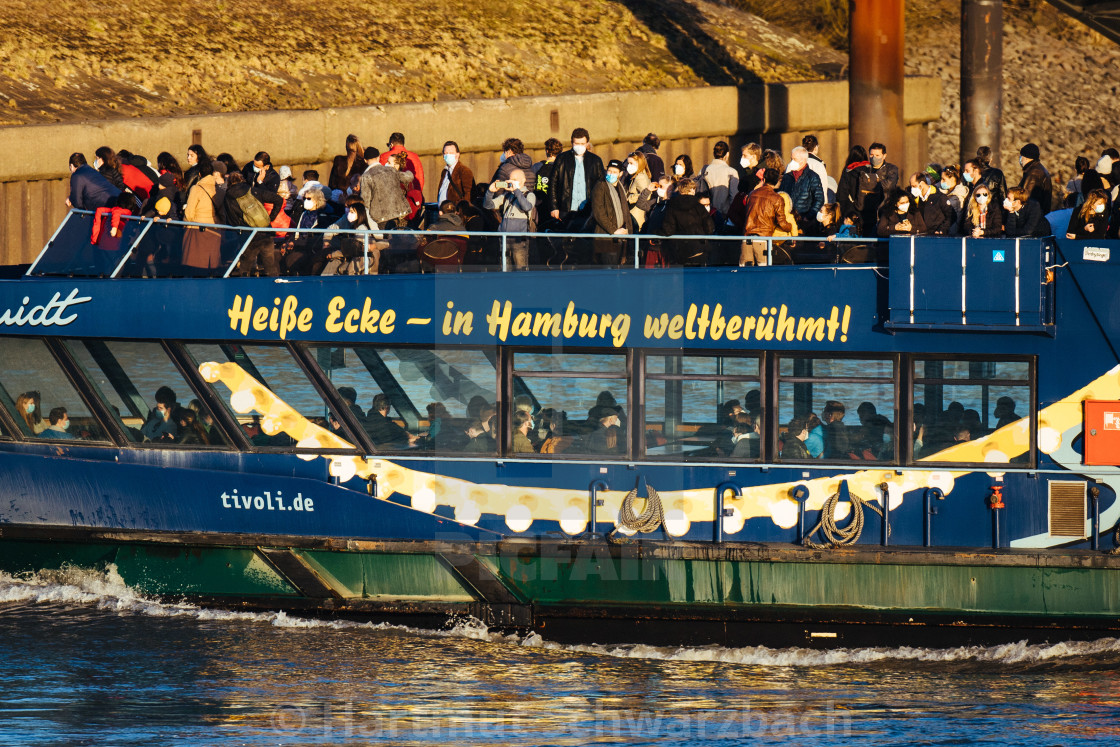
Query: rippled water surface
point(83, 660)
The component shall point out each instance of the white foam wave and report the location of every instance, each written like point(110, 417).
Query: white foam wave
point(1010, 653)
point(107, 591)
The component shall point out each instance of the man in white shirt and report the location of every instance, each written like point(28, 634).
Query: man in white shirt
point(721, 181)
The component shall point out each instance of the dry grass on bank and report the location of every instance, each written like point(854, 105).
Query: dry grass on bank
point(120, 58)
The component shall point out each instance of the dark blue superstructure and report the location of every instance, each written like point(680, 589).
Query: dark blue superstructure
point(1052, 305)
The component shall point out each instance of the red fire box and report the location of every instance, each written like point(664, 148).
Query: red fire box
point(1102, 432)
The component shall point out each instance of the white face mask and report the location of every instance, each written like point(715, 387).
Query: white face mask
point(1099, 208)
point(1007, 204)
point(821, 217)
point(745, 162)
point(579, 150)
point(98, 163)
point(903, 207)
point(309, 204)
point(662, 193)
point(916, 191)
point(678, 169)
point(256, 169)
point(982, 199)
point(631, 168)
point(352, 217)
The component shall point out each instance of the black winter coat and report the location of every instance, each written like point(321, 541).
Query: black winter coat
point(1028, 222)
point(560, 194)
point(937, 214)
point(1038, 185)
point(685, 216)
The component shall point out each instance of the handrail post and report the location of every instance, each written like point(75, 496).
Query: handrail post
point(505, 262)
point(769, 251)
point(884, 486)
point(720, 490)
point(593, 491)
point(233, 264)
point(132, 248)
point(637, 250)
point(365, 253)
point(1094, 496)
point(932, 494)
point(50, 241)
point(800, 493)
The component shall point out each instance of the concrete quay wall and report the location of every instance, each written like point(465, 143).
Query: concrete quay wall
point(34, 173)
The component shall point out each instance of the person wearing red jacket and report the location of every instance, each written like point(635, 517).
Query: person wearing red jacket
point(396, 145)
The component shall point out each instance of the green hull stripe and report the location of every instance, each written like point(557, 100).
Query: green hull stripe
point(217, 571)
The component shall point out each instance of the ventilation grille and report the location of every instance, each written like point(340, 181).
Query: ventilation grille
point(1067, 509)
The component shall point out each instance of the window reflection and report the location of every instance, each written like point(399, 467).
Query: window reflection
point(836, 409)
point(569, 404)
point(703, 407)
point(441, 400)
point(40, 397)
point(956, 401)
point(146, 393)
point(275, 370)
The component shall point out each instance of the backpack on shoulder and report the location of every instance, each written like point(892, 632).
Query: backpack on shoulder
point(253, 211)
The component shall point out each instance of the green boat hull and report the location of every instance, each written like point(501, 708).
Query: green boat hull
point(594, 591)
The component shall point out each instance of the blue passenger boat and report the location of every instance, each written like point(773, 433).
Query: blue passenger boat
point(923, 448)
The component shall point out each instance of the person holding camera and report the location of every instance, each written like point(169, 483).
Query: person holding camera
point(516, 204)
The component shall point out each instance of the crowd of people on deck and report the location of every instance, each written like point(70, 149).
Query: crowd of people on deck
point(749, 192)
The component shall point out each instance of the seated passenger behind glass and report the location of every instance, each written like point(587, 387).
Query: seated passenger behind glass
point(745, 438)
point(160, 426)
point(479, 441)
point(552, 430)
point(29, 408)
point(814, 444)
point(793, 442)
point(522, 422)
point(873, 435)
point(836, 444)
point(971, 420)
point(1005, 412)
point(382, 430)
point(606, 438)
point(202, 416)
point(59, 423)
point(190, 430)
point(604, 399)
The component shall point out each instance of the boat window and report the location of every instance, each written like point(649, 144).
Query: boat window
point(407, 399)
point(959, 401)
point(43, 401)
point(569, 403)
point(145, 391)
point(843, 409)
point(703, 407)
point(270, 397)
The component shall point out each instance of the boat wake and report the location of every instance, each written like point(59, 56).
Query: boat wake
point(107, 592)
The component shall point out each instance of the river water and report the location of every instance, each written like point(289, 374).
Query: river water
point(86, 661)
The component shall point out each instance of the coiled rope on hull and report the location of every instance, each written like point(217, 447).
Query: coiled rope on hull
point(649, 520)
point(834, 535)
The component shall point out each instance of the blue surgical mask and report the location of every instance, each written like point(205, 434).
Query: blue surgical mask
point(968, 176)
point(612, 178)
point(503, 158)
point(31, 407)
point(450, 158)
point(256, 169)
point(944, 187)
